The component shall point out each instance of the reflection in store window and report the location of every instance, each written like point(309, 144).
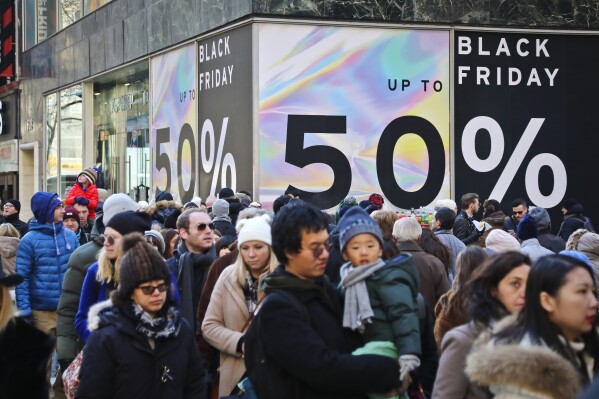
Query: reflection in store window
point(70, 11)
point(71, 137)
point(121, 132)
point(52, 142)
point(64, 139)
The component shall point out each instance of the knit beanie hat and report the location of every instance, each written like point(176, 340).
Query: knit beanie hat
point(118, 203)
point(90, 174)
point(130, 222)
point(377, 200)
point(589, 244)
point(164, 196)
point(569, 203)
point(225, 192)
point(220, 208)
point(356, 221)
point(541, 216)
point(576, 255)
point(15, 203)
point(254, 229)
point(527, 228)
point(157, 238)
point(501, 241)
point(70, 212)
point(140, 263)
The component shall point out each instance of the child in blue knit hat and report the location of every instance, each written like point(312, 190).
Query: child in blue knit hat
point(380, 297)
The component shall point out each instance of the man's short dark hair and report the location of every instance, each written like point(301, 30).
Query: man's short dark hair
point(183, 219)
point(446, 217)
point(289, 225)
point(519, 201)
point(280, 202)
point(468, 199)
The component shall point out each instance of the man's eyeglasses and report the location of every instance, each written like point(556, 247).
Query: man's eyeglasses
point(202, 226)
point(518, 212)
point(9, 205)
point(149, 289)
point(108, 239)
point(317, 252)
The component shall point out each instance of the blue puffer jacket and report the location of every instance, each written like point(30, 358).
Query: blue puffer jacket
point(43, 268)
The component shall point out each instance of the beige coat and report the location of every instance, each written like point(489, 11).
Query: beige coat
point(225, 317)
point(8, 253)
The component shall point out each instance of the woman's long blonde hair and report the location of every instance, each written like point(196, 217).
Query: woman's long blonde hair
point(241, 270)
point(107, 271)
point(6, 308)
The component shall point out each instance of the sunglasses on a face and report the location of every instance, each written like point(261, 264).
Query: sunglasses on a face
point(149, 289)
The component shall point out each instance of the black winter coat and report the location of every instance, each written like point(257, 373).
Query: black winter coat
point(225, 228)
point(573, 220)
point(118, 362)
point(315, 358)
point(24, 353)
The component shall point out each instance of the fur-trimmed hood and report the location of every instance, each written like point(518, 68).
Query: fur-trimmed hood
point(162, 205)
point(521, 370)
point(95, 316)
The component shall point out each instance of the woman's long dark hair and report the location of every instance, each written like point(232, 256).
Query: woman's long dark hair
point(483, 307)
point(430, 243)
point(548, 275)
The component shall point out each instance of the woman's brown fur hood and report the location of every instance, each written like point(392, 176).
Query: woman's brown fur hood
point(521, 371)
point(164, 204)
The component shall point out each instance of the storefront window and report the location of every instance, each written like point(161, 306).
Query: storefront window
point(71, 136)
point(121, 131)
point(70, 11)
point(52, 143)
point(64, 139)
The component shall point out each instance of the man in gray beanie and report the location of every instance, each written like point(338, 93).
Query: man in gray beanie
point(221, 219)
point(68, 341)
point(546, 239)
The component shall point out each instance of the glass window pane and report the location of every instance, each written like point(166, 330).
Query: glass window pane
point(70, 11)
point(51, 127)
point(71, 137)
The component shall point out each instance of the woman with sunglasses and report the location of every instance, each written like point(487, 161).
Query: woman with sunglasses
point(235, 298)
point(496, 290)
point(553, 345)
point(102, 277)
point(141, 346)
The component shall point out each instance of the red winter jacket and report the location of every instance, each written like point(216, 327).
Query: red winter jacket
point(91, 194)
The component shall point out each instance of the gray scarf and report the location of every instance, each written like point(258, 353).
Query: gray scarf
point(222, 218)
point(357, 311)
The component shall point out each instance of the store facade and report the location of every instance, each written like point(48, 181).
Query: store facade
point(177, 97)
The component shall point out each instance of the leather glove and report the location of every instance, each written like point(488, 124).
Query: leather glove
point(407, 363)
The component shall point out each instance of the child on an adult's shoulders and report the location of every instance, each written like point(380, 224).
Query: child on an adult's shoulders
point(85, 192)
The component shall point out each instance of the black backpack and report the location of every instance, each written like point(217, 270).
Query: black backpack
point(587, 224)
point(268, 378)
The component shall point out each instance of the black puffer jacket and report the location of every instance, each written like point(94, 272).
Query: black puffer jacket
point(118, 362)
point(24, 353)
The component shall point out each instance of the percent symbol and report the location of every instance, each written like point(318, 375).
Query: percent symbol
point(515, 161)
point(219, 164)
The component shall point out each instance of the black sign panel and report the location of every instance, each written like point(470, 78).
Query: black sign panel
point(225, 112)
point(526, 118)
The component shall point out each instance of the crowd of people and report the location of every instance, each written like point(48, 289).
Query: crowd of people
point(223, 298)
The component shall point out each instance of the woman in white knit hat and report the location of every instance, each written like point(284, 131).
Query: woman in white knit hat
point(235, 298)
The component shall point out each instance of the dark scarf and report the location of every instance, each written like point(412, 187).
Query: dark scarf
point(191, 276)
point(165, 325)
point(281, 279)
